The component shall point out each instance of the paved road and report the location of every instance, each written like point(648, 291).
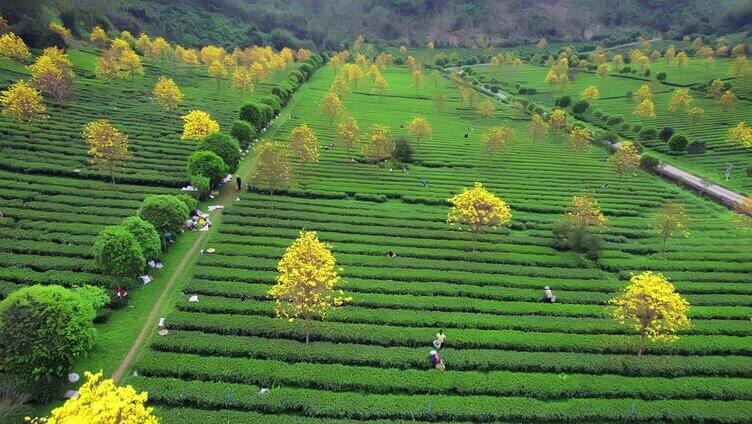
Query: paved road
point(723, 195)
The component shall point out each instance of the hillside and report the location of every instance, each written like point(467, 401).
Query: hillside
point(328, 24)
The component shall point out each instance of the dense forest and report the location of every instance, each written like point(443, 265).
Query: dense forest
point(326, 24)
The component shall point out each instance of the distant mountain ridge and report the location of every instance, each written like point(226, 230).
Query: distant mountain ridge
point(326, 24)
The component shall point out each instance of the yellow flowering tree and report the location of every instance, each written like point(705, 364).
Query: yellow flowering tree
point(579, 139)
point(681, 59)
point(590, 93)
point(476, 209)
point(348, 134)
point(680, 100)
point(538, 127)
point(270, 168)
point(646, 109)
point(466, 95)
point(496, 139)
point(13, 47)
point(380, 86)
point(306, 281)
point(715, 90)
point(727, 101)
point(642, 93)
point(695, 115)
point(420, 128)
point(197, 124)
point(603, 70)
point(62, 31)
point(670, 54)
point(53, 73)
point(380, 144)
point(242, 80)
point(167, 93)
point(107, 145)
point(102, 402)
point(740, 134)
point(671, 219)
point(332, 106)
point(557, 122)
point(417, 77)
point(651, 305)
point(218, 71)
point(579, 229)
point(486, 109)
point(740, 67)
point(99, 37)
point(119, 61)
point(22, 103)
point(625, 159)
point(305, 145)
point(440, 100)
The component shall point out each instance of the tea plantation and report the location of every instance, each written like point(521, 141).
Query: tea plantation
point(509, 357)
point(614, 110)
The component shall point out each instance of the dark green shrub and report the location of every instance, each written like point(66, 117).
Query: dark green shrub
point(403, 150)
point(273, 102)
point(647, 134)
point(207, 164)
point(666, 134)
point(577, 239)
point(117, 252)
point(146, 236)
point(255, 114)
point(581, 106)
point(649, 162)
point(563, 101)
point(307, 69)
point(678, 143)
point(243, 132)
point(697, 147)
point(614, 120)
point(749, 171)
point(223, 146)
point(660, 76)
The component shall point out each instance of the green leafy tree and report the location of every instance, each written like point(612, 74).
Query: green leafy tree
point(223, 146)
point(117, 252)
point(165, 212)
point(146, 235)
point(207, 164)
point(44, 330)
point(243, 132)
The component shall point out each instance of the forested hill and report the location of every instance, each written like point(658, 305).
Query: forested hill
point(326, 24)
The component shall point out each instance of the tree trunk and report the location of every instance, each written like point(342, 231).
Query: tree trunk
point(641, 348)
point(307, 331)
point(112, 177)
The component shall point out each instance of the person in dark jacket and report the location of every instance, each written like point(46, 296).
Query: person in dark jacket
point(239, 182)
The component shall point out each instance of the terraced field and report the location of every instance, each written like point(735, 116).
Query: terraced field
point(509, 358)
point(158, 153)
point(54, 202)
point(712, 129)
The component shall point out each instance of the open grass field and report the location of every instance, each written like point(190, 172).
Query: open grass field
point(509, 358)
point(614, 101)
